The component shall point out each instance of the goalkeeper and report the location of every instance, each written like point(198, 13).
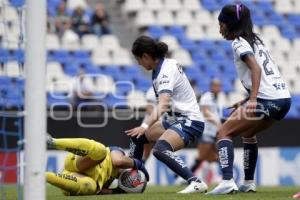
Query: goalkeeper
point(90, 167)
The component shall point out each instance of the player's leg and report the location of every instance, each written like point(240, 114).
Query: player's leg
point(89, 152)
point(137, 144)
point(236, 124)
point(147, 151)
point(197, 162)
point(72, 183)
point(164, 150)
point(250, 155)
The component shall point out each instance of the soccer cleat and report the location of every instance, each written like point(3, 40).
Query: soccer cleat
point(194, 187)
point(248, 186)
point(225, 187)
point(297, 196)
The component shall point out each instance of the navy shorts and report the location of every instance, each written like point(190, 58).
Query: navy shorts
point(188, 130)
point(273, 108)
point(116, 148)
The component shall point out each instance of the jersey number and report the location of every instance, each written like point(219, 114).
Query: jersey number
point(267, 58)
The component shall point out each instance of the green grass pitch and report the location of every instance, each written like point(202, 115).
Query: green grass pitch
point(167, 192)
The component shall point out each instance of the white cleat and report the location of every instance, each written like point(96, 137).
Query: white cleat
point(248, 186)
point(225, 187)
point(194, 187)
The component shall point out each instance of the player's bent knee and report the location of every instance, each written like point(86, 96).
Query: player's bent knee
point(87, 186)
point(118, 161)
point(250, 140)
point(160, 146)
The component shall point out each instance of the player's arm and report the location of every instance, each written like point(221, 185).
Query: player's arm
point(117, 190)
point(210, 116)
point(255, 74)
point(250, 61)
point(163, 106)
point(124, 162)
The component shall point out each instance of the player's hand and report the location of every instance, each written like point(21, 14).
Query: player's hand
point(138, 164)
point(251, 107)
point(136, 132)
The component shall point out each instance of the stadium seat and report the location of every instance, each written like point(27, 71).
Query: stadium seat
point(13, 69)
point(165, 18)
point(72, 4)
point(90, 41)
point(171, 41)
point(109, 42)
point(4, 55)
point(184, 18)
point(195, 32)
point(203, 18)
point(52, 42)
point(121, 57)
point(153, 5)
point(183, 57)
point(283, 6)
point(101, 56)
point(191, 5)
point(10, 14)
point(145, 18)
point(70, 40)
point(188, 44)
point(132, 6)
point(172, 5)
point(177, 31)
point(156, 31)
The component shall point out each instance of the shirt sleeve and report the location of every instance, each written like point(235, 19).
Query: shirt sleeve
point(166, 80)
point(241, 48)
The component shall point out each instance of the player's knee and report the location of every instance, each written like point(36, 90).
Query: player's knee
point(87, 186)
point(118, 161)
point(222, 134)
point(160, 146)
point(98, 151)
point(249, 140)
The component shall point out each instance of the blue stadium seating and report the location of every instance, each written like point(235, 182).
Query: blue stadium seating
point(156, 31)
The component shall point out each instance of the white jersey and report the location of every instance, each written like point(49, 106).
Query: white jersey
point(208, 99)
point(168, 77)
point(272, 85)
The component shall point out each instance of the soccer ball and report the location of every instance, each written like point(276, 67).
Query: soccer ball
point(132, 181)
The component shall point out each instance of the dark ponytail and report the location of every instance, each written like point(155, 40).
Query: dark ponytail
point(238, 21)
point(145, 44)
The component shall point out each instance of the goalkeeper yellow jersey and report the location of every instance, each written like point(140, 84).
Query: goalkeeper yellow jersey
point(103, 174)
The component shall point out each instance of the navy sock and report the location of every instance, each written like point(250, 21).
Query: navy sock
point(163, 151)
point(250, 158)
point(137, 147)
point(226, 157)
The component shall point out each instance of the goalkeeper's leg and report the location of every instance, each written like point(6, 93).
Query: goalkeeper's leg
point(89, 152)
point(72, 183)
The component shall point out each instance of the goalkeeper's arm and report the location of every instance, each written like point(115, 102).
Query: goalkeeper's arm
point(117, 190)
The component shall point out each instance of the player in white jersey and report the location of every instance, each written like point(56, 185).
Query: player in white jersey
point(212, 111)
point(181, 124)
point(268, 101)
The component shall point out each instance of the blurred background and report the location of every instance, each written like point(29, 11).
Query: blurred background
point(95, 89)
